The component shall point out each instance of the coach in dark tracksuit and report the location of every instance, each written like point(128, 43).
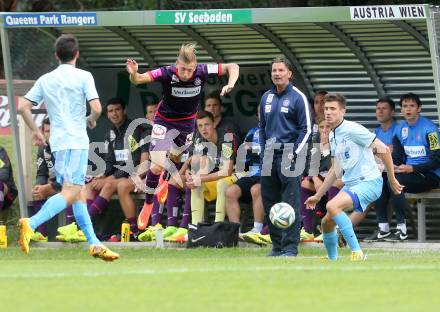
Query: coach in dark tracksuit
point(286, 127)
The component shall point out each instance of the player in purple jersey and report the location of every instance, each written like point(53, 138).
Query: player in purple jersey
point(174, 125)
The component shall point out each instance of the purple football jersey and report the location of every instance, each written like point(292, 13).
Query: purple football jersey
point(181, 99)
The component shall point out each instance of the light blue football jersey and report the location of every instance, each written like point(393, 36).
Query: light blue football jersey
point(65, 92)
point(350, 144)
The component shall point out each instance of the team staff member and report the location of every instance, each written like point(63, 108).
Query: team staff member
point(285, 121)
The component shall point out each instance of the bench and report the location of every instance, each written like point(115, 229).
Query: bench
point(421, 210)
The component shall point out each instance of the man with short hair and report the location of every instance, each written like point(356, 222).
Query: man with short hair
point(285, 129)
point(214, 105)
point(416, 155)
point(123, 149)
point(385, 110)
point(65, 91)
point(352, 147)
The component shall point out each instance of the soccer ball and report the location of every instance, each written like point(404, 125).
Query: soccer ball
point(282, 215)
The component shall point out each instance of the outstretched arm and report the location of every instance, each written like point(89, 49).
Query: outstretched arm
point(232, 70)
point(135, 77)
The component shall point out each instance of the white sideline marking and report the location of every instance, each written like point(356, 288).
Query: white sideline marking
point(326, 266)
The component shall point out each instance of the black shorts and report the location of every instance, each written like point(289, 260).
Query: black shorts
point(245, 184)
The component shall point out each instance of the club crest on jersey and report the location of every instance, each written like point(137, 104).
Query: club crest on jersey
point(158, 132)
point(404, 133)
point(197, 81)
point(269, 99)
point(174, 79)
point(286, 102)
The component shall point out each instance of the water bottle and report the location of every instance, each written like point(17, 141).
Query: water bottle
point(3, 236)
point(159, 238)
point(125, 232)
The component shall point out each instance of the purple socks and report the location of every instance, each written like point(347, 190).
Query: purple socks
point(98, 206)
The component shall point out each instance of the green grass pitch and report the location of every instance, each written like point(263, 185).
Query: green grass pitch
point(148, 279)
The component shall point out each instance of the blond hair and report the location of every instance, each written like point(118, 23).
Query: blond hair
point(187, 53)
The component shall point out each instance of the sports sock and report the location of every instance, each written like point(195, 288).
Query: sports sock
point(220, 203)
point(346, 228)
point(197, 205)
point(330, 240)
point(98, 206)
point(152, 181)
point(257, 227)
point(51, 208)
point(402, 227)
point(172, 204)
point(36, 206)
point(84, 222)
point(155, 212)
point(133, 225)
point(186, 210)
point(69, 215)
point(384, 227)
point(306, 214)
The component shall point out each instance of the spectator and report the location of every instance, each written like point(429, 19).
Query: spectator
point(213, 104)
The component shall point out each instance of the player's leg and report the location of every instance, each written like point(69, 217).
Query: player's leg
point(220, 202)
point(233, 194)
point(307, 190)
point(124, 189)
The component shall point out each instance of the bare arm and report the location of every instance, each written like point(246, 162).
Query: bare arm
point(329, 180)
point(96, 109)
point(24, 108)
point(135, 77)
point(383, 152)
point(232, 70)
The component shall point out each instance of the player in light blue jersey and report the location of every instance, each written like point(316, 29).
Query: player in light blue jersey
point(65, 91)
point(352, 147)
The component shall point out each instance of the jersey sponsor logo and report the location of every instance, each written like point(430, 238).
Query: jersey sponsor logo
point(112, 135)
point(433, 141)
point(226, 151)
point(197, 81)
point(158, 132)
point(132, 143)
point(186, 92)
point(284, 109)
point(404, 133)
point(212, 68)
point(415, 151)
point(121, 155)
point(269, 98)
point(174, 79)
point(267, 108)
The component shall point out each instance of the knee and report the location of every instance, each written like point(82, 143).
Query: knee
point(222, 185)
point(124, 187)
point(232, 192)
point(256, 190)
point(332, 208)
point(156, 169)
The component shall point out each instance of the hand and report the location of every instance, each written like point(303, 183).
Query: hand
point(40, 192)
point(38, 138)
point(131, 66)
point(91, 123)
point(312, 201)
point(97, 184)
point(396, 187)
point(139, 185)
point(404, 169)
point(226, 89)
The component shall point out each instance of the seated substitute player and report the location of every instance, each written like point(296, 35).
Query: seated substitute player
point(211, 169)
point(352, 145)
point(173, 128)
point(248, 188)
point(416, 155)
point(8, 190)
point(120, 147)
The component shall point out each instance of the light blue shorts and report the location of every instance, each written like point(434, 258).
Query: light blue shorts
point(71, 166)
point(364, 193)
